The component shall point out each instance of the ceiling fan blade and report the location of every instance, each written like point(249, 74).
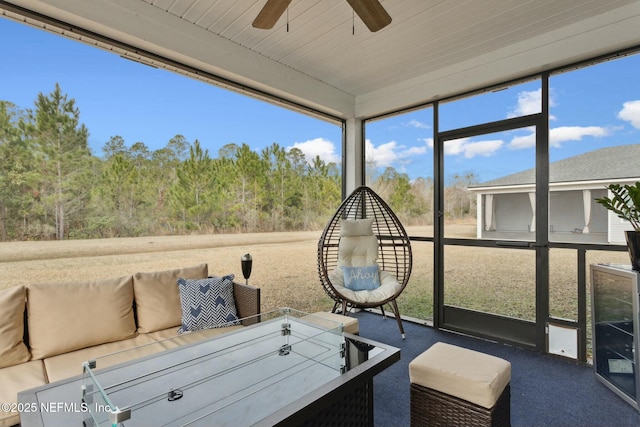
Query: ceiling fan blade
point(270, 13)
point(374, 16)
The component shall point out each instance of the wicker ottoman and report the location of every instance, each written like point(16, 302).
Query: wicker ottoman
point(454, 386)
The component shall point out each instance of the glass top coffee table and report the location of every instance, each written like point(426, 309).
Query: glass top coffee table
point(288, 368)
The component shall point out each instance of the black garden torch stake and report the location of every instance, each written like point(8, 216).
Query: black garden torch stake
point(246, 261)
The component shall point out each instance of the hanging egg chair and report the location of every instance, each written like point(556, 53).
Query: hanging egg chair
point(364, 255)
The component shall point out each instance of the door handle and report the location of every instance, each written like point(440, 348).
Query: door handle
point(513, 244)
point(516, 244)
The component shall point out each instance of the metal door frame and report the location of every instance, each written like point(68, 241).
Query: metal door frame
point(504, 329)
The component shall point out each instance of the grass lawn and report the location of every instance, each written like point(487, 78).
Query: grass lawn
point(498, 280)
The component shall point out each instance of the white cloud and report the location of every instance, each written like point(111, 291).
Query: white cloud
point(470, 149)
point(530, 102)
point(383, 155)
point(574, 133)
point(631, 113)
point(318, 147)
point(413, 151)
point(559, 135)
point(417, 124)
point(428, 141)
point(482, 148)
point(455, 146)
point(391, 153)
point(521, 142)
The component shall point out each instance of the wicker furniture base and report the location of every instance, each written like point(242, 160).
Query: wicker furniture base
point(352, 408)
point(433, 408)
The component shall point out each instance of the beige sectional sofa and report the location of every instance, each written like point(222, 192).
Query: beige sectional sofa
point(47, 330)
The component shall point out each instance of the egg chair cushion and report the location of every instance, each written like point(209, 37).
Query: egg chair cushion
point(366, 278)
point(358, 248)
point(358, 251)
point(356, 227)
point(389, 286)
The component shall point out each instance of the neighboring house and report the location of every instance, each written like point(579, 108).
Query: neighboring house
point(506, 205)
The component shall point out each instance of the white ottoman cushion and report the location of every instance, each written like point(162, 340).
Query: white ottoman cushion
point(466, 374)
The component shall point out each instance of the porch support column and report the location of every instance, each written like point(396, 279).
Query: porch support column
point(586, 200)
point(353, 159)
point(488, 212)
point(532, 200)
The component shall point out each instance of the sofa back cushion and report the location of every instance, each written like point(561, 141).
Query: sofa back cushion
point(70, 316)
point(158, 299)
point(12, 348)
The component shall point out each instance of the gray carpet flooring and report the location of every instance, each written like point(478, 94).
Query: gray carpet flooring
point(545, 391)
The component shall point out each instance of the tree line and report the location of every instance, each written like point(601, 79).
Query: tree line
point(53, 187)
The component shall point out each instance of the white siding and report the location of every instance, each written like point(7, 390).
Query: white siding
point(617, 227)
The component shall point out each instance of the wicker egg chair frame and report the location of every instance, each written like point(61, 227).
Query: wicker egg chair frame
point(394, 247)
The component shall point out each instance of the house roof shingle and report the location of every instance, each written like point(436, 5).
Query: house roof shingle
point(619, 162)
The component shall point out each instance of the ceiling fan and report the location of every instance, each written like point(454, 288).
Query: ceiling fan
point(371, 12)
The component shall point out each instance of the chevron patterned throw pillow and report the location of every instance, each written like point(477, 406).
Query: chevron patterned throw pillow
point(207, 303)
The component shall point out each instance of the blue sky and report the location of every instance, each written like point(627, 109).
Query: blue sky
point(116, 96)
point(590, 108)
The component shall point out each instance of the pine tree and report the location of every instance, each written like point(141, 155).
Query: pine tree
point(60, 144)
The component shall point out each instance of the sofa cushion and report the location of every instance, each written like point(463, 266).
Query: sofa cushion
point(207, 303)
point(70, 364)
point(12, 347)
point(157, 297)
point(70, 316)
point(15, 379)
